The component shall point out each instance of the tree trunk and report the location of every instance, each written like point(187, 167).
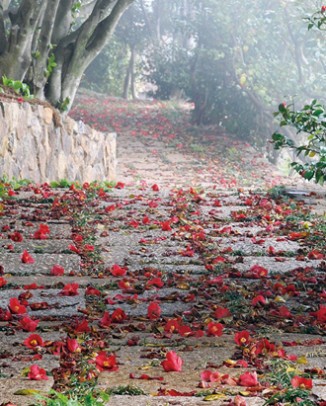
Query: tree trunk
point(132, 72)
point(16, 60)
point(76, 51)
point(38, 29)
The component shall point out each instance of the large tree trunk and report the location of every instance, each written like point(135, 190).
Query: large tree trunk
point(76, 51)
point(129, 82)
point(42, 29)
point(16, 58)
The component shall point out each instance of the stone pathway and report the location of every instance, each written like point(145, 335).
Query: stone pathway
point(181, 233)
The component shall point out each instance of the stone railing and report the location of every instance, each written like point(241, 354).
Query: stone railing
point(34, 146)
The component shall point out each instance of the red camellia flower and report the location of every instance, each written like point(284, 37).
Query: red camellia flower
point(155, 188)
point(209, 376)
point(82, 327)
point(57, 270)
point(28, 324)
point(73, 248)
point(70, 289)
point(321, 314)
point(88, 248)
point(221, 312)
point(157, 282)
point(119, 185)
point(242, 338)
point(258, 299)
point(27, 258)
point(248, 379)
point(105, 362)
point(42, 232)
point(323, 9)
point(172, 362)
point(3, 282)
point(90, 291)
point(117, 270)
point(105, 321)
point(315, 254)
point(172, 326)
point(300, 382)
point(33, 341)
point(5, 315)
point(264, 347)
point(153, 311)
point(118, 316)
point(258, 271)
point(72, 345)
point(16, 236)
point(214, 329)
point(37, 374)
point(16, 307)
point(166, 226)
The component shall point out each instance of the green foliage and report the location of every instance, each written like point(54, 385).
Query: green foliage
point(50, 65)
point(106, 73)
point(311, 121)
point(63, 105)
point(62, 183)
point(55, 398)
point(317, 20)
point(281, 373)
point(18, 86)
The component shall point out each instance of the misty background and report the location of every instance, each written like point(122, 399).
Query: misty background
point(236, 61)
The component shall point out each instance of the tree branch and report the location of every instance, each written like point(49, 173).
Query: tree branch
point(3, 36)
point(106, 27)
point(63, 21)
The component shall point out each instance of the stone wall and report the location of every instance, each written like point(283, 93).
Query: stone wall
point(33, 147)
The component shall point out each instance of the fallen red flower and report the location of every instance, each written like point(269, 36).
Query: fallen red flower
point(28, 324)
point(37, 374)
point(57, 270)
point(146, 377)
point(221, 312)
point(90, 291)
point(300, 382)
point(242, 338)
point(248, 379)
point(173, 392)
point(214, 329)
point(117, 270)
point(154, 311)
point(16, 307)
point(105, 362)
point(209, 376)
point(315, 254)
point(16, 236)
point(27, 258)
point(34, 341)
point(82, 327)
point(172, 362)
point(3, 282)
point(73, 345)
point(70, 289)
point(118, 316)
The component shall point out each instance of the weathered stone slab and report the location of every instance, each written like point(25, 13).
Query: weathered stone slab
point(8, 387)
point(43, 263)
point(58, 304)
point(274, 266)
point(39, 246)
